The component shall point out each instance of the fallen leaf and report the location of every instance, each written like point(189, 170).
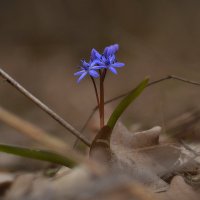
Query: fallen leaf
point(180, 190)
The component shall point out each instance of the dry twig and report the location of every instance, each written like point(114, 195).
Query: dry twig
point(150, 84)
point(44, 107)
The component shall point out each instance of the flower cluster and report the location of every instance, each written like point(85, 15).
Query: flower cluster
point(98, 61)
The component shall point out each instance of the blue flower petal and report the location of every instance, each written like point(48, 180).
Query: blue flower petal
point(81, 77)
point(95, 55)
point(105, 52)
point(79, 73)
point(99, 62)
point(110, 50)
point(94, 62)
point(104, 59)
point(99, 67)
point(113, 70)
point(85, 64)
point(93, 73)
point(115, 48)
point(118, 64)
point(112, 59)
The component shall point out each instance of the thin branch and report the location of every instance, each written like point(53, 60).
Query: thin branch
point(150, 84)
point(155, 82)
point(184, 80)
point(44, 107)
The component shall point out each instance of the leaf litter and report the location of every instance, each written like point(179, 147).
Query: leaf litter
point(141, 165)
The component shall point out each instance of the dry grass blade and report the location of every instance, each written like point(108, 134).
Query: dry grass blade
point(37, 134)
point(31, 131)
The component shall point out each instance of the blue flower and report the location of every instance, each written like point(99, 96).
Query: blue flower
point(110, 50)
point(111, 63)
point(88, 68)
point(108, 58)
point(98, 61)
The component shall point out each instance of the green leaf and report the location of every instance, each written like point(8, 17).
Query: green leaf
point(126, 102)
point(38, 155)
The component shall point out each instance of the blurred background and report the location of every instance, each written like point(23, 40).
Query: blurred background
point(42, 43)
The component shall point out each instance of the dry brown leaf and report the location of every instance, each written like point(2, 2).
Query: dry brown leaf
point(123, 137)
point(145, 160)
point(180, 190)
point(6, 179)
point(21, 187)
point(137, 160)
point(80, 184)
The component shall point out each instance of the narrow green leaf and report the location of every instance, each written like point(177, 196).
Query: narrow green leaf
point(126, 102)
point(38, 155)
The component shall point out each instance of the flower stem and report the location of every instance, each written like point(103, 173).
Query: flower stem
point(104, 74)
point(96, 92)
point(101, 103)
point(101, 107)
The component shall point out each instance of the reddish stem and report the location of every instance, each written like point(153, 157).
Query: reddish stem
point(96, 92)
point(101, 107)
point(101, 103)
